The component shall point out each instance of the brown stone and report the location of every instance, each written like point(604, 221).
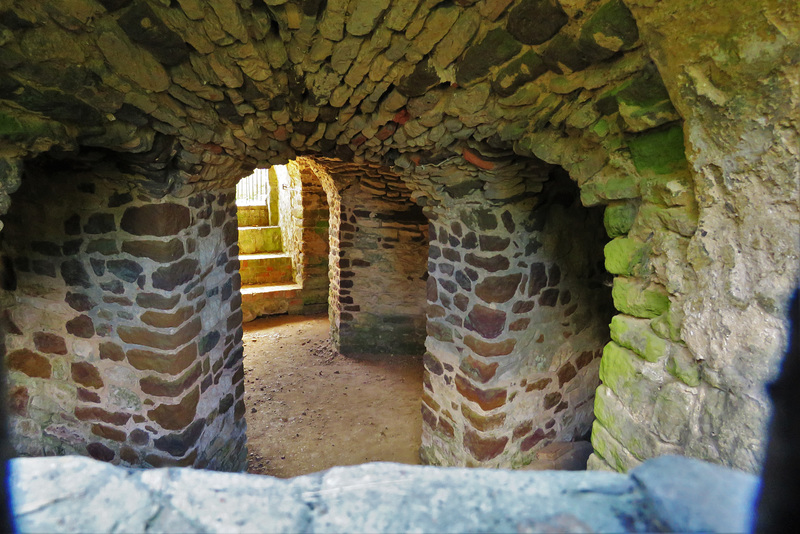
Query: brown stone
point(158, 251)
point(538, 385)
point(461, 302)
point(174, 275)
point(114, 434)
point(81, 326)
point(143, 336)
point(159, 461)
point(434, 312)
point(446, 428)
point(432, 364)
point(31, 363)
point(88, 396)
point(111, 351)
point(487, 399)
point(489, 350)
point(487, 322)
point(491, 264)
point(168, 320)
point(537, 280)
point(561, 406)
point(531, 441)
point(519, 325)
point(154, 300)
point(126, 454)
point(169, 363)
point(551, 399)
point(98, 451)
point(490, 243)
point(522, 430)
point(483, 448)
point(18, 401)
point(584, 359)
point(566, 373)
point(139, 437)
point(428, 417)
point(164, 388)
point(176, 416)
point(427, 399)
point(483, 422)
point(99, 414)
point(439, 331)
point(158, 220)
point(549, 297)
point(49, 343)
point(523, 306)
point(86, 374)
point(498, 288)
point(478, 371)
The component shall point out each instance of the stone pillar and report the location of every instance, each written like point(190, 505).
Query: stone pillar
point(517, 318)
point(125, 337)
point(381, 267)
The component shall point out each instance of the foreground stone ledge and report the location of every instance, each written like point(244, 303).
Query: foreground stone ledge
point(76, 494)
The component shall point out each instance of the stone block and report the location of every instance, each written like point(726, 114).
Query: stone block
point(659, 152)
point(638, 298)
point(626, 257)
point(176, 416)
point(31, 363)
point(159, 220)
point(618, 218)
point(534, 22)
point(637, 335)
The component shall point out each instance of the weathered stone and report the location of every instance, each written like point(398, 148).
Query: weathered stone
point(74, 274)
point(432, 364)
point(483, 423)
point(111, 351)
point(489, 350)
point(483, 448)
point(126, 270)
point(535, 21)
point(107, 432)
point(139, 437)
point(165, 388)
point(495, 49)
point(526, 68)
point(549, 297)
point(49, 343)
point(488, 322)
point(159, 251)
point(81, 326)
point(98, 451)
point(566, 373)
point(178, 444)
point(638, 298)
point(618, 218)
point(478, 371)
point(491, 264)
point(86, 374)
point(158, 220)
point(84, 395)
point(610, 29)
point(154, 300)
point(532, 440)
point(28, 362)
point(174, 275)
point(176, 416)
point(169, 363)
point(498, 288)
point(168, 320)
point(487, 399)
point(538, 385)
point(551, 399)
point(99, 414)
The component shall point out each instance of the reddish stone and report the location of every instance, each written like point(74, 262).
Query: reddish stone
point(550, 423)
point(168, 320)
point(158, 220)
point(490, 243)
point(358, 140)
point(427, 399)
point(107, 432)
point(153, 300)
point(478, 371)
point(387, 131)
point(489, 350)
point(401, 117)
point(537, 279)
point(483, 448)
point(551, 399)
point(483, 422)
point(29, 362)
point(487, 322)
point(81, 326)
point(446, 428)
point(491, 264)
point(86, 374)
point(523, 306)
point(539, 384)
point(144, 336)
point(566, 373)
point(522, 430)
point(176, 416)
point(432, 364)
point(163, 388)
point(498, 288)
point(158, 251)
point(428, 417)
point(126, 454)
point(88, 396)
point(99, 414)
point(584, 359)
point(531, 441)
point(476, 160)
point(49, 343)
point(519, 325)
point(18, 401)
point(160, 461)
point(487, 399)
point(111, 351)
point(435, 312)
point(461, 302)
point(98, 451)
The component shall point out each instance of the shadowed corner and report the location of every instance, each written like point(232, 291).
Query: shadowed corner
point(776, 506)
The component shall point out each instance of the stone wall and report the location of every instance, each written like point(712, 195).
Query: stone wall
point(124, 338)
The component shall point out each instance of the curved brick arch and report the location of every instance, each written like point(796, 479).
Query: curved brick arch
point(140, 104)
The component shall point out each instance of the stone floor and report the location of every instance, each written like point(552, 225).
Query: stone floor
point(77, 494)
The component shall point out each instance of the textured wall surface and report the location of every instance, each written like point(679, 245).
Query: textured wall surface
point(125, 335)
point(687, 134)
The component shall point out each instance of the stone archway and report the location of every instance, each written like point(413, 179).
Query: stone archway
point(178, 101)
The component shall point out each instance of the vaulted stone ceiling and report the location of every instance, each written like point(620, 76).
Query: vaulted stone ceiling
point(191, 91)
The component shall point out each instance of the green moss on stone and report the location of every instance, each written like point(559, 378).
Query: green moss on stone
point(639, 299)
point(618, 218)
point(682, 366)
point(607, 186)
point(636, 335)
point(617, 367)
point(625, 256)
point(659, 152)
point(611, 28)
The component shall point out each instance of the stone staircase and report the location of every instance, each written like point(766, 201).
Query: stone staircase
point(268, 286)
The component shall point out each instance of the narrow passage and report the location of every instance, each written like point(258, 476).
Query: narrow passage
point(309, 408)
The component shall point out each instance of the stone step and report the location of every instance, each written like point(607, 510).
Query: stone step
point(270, 299)
point(260, 239)
point(265, 269)
point(253, 215)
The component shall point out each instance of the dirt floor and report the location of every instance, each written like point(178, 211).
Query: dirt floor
point(309, 408)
